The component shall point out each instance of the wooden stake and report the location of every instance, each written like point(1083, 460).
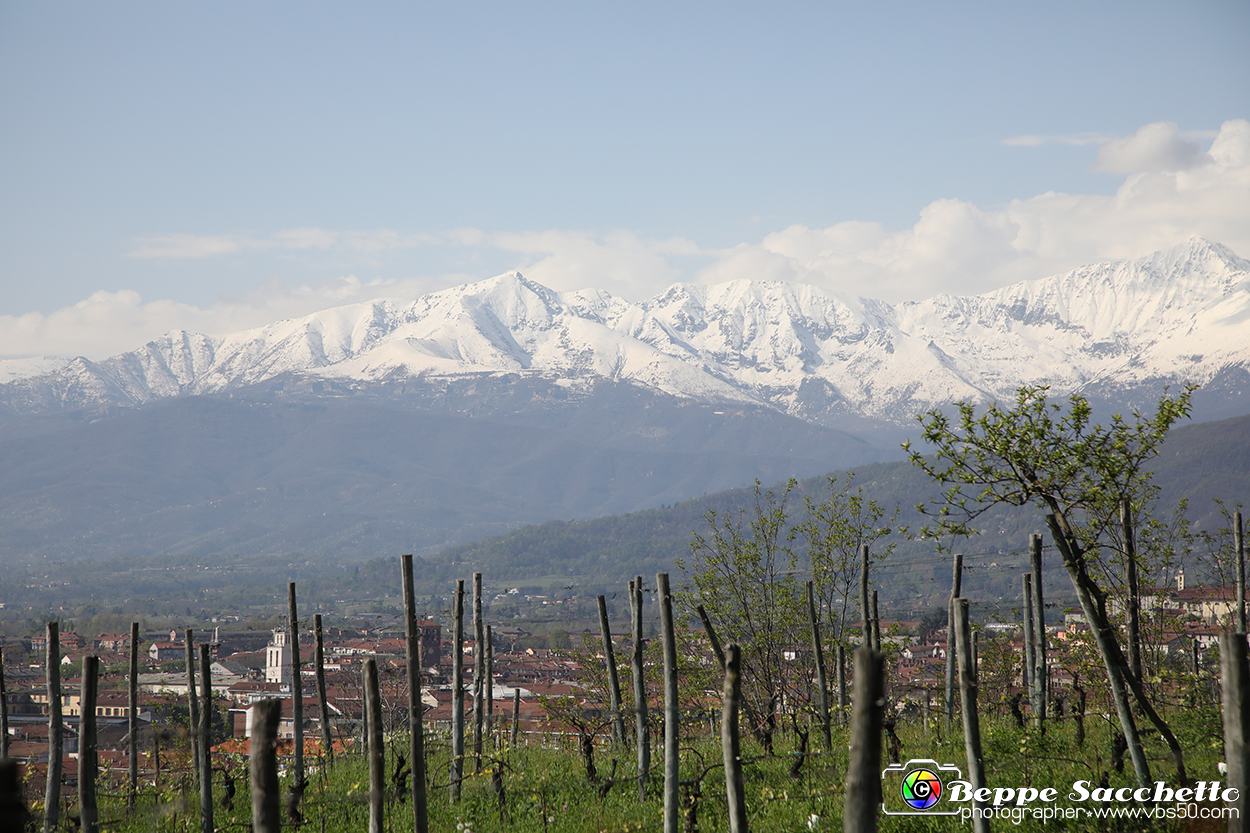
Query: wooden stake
point(822, 683)
point(672, 776)
point(297, 697)
point(416, 710)
point(4, 712)
point(1026, 679)
point(479, 671)
point(88, 754)
point(968, 702)
point(132, 724)
point(56, 742)
point(841, 659)
point(863, 772)
point(1134, 594)
point(1239, 544)
point(323, 708)
point(614, 682)
point(1235, 679)
point(642, 736)
point(516, 716)
point(956, 582)
point(263, 766)
point(731, 743)
point(377, 759)
point(12, 803)
point(206, 743)
point(489, 693)
point(863, 595)
point(193, 707)
point(457, 691)
point(1041, 676)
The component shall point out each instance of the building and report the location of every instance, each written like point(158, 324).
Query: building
point(278, 658)
point(1212, 604)
point(166, 651)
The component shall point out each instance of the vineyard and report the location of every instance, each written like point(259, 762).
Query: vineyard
point(762, 701)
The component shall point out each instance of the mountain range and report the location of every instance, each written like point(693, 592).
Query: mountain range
point(418, 424)
point(1118, 330)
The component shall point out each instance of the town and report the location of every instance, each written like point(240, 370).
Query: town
point(540, 685)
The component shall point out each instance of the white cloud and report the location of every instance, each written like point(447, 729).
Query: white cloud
point(1154, 147)
point(1172, 191)
point(370, 243)
point(306, 238)
point(620, 262)
point(183, 246)
point(108, 323)
point(1076, 139)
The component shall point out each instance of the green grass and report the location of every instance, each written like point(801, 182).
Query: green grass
point(546, 790)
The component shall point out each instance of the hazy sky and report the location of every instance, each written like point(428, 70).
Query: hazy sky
point(215, 166)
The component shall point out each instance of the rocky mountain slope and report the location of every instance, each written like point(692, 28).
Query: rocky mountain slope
point(1116, 331)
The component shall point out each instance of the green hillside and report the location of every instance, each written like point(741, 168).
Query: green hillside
point(1199, 462)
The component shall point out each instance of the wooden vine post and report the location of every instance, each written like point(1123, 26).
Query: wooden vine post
point(841, 660)
point(457, 691)
point(12, 802)
point(88, 749)
point(516, 716)
point(479, 672)
point(323, 708)
point(1041, 676)
point(1134, 592)
point(642, 736)
point(193, 707)
point(489, 682)
point(297, 698)
point(1026, 597)
point(968, 704)
point(614, 682)
point(956, 589)
point(4, 712)
point(1239, 545)
point(672, 720)
point(206, 742)
point(822, 682)
point(263, 767)
point(863, 772)
point(132, 723)
point(1235, 678)
point(377, 759)
point(416, 726)
point(863, 595)
point(731, 742)
point(56, 737)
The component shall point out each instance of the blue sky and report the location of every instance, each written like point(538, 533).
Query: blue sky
point(216, 166)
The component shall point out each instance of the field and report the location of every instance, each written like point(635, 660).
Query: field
point(545, 786)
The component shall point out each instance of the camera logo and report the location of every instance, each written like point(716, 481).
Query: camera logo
point(917, 787)
point(921, 789)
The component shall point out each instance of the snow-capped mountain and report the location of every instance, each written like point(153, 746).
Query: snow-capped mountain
point(1121, 330)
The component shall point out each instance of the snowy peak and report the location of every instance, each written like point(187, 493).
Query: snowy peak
point(1134, 325)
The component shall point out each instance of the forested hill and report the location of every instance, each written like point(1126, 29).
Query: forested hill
point(1199, 462)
